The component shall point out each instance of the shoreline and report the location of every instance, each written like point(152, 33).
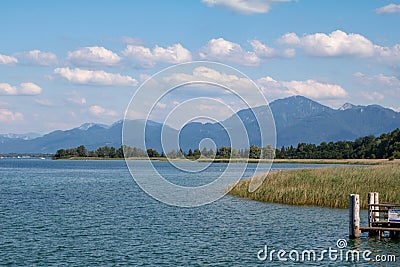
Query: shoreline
point(243, 160)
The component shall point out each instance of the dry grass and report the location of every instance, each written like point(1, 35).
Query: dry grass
point(327, 187)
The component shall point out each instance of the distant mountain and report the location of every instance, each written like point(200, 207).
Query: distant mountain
point(298, 119)
point(25, 136)
point(315, 123)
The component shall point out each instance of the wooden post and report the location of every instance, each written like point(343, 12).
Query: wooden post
point(376, 201)
point(372, 197)
point(354, 216)
point(371, 200)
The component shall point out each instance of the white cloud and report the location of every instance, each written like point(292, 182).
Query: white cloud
point(93, 56)
point(22, 89)
point(391, 8)
point(226, 51)
point(386, 84)
point(148, 58)
point(264, 51)
point(341, 44)
point(290, 39)
point(308, 88)
point(161, 105)
point(38, 57)
point(44, 102)
point(131, 40)
point(245, 6)
point(100, 111)
point(208, 74)
point(90, 77)
point(29, 89)
point(337, 43)
point(7, 115)
point(7, 89)
point(75, 98)
point(379, 80)
point(388, 55)
point(373, 96)
point(8, 60)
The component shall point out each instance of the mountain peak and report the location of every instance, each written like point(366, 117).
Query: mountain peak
point(88, 125)
point(347, 106)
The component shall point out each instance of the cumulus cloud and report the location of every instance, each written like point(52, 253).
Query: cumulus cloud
point(148, 58)
point(388, 55)
point(38, 57)
point(93, 56)
point(341, 44)
point(264, 51)
point(309, 88)
point(100, 111)
point(209, 74)
point(391, 8)
point(29, 89)
point(337, 43)
point(91, 77)
point(7, 115)
point(8, 60)
point(245, 6)
point(226, 51)
point(22, 89)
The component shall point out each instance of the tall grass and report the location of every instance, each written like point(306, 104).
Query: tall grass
point(327, 187)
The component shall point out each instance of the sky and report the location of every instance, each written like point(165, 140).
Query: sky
point(65, 63)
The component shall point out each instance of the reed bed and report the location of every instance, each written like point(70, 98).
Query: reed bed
point(326, 187)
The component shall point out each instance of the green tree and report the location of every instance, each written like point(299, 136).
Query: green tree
point(81, 151)
point(224, 152)
point(255, 152)
point(152, 153)
point(196, 153)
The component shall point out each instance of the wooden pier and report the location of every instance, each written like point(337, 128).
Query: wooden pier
point(382, 217)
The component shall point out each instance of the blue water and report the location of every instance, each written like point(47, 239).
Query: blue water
point(92, 213)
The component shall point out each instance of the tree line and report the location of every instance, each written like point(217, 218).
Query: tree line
point(223, 152)
point(386, 146)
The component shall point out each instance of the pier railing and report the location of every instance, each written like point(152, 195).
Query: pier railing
point(382, 217)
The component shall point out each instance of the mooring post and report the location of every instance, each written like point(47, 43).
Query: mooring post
point(354, 216)
point(371, 215)
point(376, 201)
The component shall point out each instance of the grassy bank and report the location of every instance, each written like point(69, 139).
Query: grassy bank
point(327, 187)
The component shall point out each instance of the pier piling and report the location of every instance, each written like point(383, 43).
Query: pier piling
point(354, 216)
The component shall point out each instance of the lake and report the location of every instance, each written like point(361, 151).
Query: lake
point(92, 213)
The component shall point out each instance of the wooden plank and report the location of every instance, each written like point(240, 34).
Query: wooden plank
point(368, 228)
point(385, 205)
point(387, 222)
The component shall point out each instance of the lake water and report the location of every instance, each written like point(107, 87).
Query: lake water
point(92, 213)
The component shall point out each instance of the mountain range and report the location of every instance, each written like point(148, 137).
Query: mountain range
point(297, 119)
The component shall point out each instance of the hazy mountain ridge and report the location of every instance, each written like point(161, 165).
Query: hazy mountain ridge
point(298, 119)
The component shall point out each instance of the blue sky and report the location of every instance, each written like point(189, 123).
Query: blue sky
point(63, 63)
